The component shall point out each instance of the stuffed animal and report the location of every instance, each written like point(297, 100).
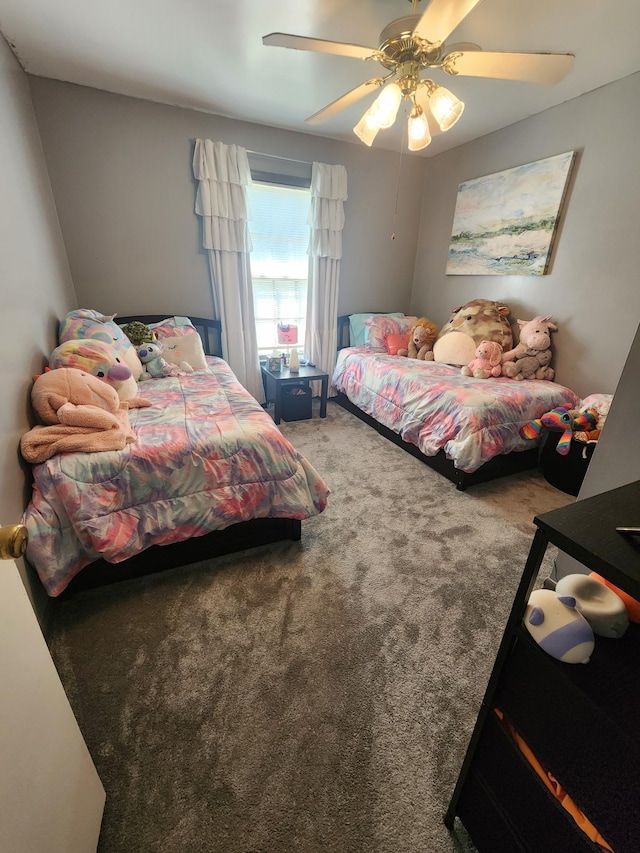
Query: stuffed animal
point(101, 360)
point(564, 419)
point(421, 337)
point(153, 364)
point(80, 413)
point(470, 324)
point(600, 606)
point(486, 363)
point(601, 404)
point(558, 627)
point(530, 359)
point(139, 333)
point(87, 324)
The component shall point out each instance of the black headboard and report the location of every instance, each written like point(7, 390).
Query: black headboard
point(344, 335)
point(343, 331)
point(209, 330)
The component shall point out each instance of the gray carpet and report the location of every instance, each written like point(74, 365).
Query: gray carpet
point(313, 696)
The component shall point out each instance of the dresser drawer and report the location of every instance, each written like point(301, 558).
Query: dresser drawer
point(506, 808)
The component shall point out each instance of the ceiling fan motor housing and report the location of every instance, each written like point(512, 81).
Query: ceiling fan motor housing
point(398, 45)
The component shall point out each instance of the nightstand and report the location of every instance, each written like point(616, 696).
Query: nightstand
point(275, 382)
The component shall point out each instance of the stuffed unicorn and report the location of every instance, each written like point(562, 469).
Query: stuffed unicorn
point(87, 324)
point(101, 360)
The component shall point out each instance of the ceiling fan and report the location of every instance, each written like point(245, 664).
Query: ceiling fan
point(410, 45)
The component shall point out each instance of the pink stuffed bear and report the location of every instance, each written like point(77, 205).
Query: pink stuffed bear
point(530, 358)
point(486, 363)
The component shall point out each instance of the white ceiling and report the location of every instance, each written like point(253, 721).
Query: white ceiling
point(208, 55)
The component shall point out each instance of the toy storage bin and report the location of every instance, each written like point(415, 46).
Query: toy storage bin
point(565, 472)
point(296, 402)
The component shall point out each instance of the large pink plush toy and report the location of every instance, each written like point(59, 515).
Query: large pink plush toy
point(87, 324)
point(531, 357)
point(101, 360)
point(79, 411)
point(486, 363)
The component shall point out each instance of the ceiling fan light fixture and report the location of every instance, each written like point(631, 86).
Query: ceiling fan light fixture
point(445, 107)
point(367, 128)
point(418, 136)
point(387, 104)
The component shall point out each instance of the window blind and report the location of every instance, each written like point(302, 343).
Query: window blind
point(279, 261)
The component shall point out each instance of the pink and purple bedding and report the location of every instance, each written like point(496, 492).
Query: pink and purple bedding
point(435, 407)
point(206, 456)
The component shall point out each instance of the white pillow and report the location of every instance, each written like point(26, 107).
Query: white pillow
point(185, 348)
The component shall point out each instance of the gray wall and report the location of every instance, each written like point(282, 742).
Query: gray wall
point(35, 284)
point(592, 288)
point(616, 459)
point(121, 174)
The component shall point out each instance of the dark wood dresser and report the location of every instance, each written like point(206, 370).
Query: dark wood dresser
point(581, 721)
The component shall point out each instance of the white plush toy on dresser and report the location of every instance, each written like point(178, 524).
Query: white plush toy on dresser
point(601, 607)
point(558, 627)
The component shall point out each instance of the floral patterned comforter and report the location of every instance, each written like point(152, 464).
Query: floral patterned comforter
point(435, 407)
point(206, 456)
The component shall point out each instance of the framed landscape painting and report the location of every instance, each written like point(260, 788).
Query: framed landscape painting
point(505, 223)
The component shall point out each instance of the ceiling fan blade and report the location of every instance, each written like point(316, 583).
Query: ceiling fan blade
point(356, 51)
point(547, 68)
point(441, 17)
point(346, 100)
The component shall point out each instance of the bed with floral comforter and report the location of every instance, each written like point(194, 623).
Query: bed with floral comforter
point(206, 456)
point(435, 408)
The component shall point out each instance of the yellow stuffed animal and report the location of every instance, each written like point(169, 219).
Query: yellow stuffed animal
point(421, 339)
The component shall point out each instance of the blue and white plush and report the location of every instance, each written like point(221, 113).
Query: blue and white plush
point(154, 365)
point(558, 627)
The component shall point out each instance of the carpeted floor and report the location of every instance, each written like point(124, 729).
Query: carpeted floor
point(310, 696)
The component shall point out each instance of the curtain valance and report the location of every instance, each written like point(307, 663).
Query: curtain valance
point(222, 172)
point(326, 212)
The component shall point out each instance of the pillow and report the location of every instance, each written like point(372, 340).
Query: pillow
point(172, 326)
point(357, 329)
point(395, 342)
point(184, 348)
point(380, 325)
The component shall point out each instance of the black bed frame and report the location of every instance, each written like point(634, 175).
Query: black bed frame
point(499, 466)
point(156, 558)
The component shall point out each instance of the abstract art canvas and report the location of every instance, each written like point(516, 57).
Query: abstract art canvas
point(505, 223)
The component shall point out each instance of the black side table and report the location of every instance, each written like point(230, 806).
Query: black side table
point(274, 382)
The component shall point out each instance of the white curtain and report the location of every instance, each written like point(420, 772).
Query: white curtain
point(223, 173)
point(326, 220)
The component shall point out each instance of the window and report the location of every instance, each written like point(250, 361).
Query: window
point(279, 264)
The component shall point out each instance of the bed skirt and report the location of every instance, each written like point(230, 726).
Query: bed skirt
point(498, 466)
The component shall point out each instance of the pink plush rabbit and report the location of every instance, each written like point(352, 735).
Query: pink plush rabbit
point(486, 362)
